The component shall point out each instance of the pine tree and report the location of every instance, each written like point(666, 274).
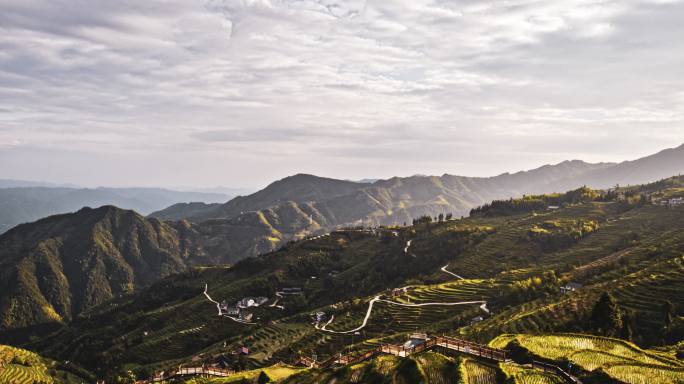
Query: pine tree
point(668, 313)
point(263, 378)
point(627, 331)
point(606, 317)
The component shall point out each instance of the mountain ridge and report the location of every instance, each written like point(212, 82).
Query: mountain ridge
point(21, 204)
point(57, 267)
point(625, 244)
point(398, 199)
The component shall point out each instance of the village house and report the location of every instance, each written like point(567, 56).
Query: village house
point(320, 316)
point(228, 309)
point(570, 287)
point(223, 306)
point(245, 316)
point(232, 311)
point(415, 339)
point(248, 302)
point(673, 202)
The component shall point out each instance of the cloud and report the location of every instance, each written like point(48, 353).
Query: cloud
point(283, 86)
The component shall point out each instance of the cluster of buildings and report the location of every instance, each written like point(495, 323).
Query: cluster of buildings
point(673, 202)
point(570, 287)
point(239, 310)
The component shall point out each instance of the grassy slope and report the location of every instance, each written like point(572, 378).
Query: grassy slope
point(277, 372)
point(19, 366)
point(524, 375)
point(493, 253)
point(427, 367)
point(619, 359)
point(57, 267)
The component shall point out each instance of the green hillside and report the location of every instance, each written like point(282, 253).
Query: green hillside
point(54, 269)
point(399, 199)
point(474, 278)
point(618, 359)
point(19, 366)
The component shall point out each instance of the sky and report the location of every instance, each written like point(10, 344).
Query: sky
point(242, 92)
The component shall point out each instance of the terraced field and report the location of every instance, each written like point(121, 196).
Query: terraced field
point(525, 375)
point(276, 372)
point(271, 339)
point(633, 254)
point(427, 368)
point(19, 366)
point(651, 271)
point(641, 290)
point(475, 372)
point(619, 359)
point(405, 319)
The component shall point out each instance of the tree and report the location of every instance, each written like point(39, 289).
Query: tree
point(263, 378)
point(423, 219)
point(143, 373)
point(606, 317)
point(668, 312)
point(440, 217)
point(449, 216)
point(627, 331)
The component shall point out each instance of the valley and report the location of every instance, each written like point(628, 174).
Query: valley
point(341, 192)
point(332, 298)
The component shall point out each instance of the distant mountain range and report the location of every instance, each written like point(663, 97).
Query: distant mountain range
point(305, 203)
point(54, 268)
point(514, 271)
point(22, 202)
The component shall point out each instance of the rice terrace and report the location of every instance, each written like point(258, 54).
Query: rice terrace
point(333, 192)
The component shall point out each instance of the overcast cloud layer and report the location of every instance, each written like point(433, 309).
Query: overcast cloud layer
point(240, 92)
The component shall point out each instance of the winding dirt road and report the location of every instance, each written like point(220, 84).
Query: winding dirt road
point(378, 299)
point(443, 269)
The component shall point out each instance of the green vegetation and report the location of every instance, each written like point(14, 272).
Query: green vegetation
point(523, 375)
point(556, 235)
point(56, 268)
point(19, 366)
point(476, 372)
point(606, 318)
point(538, 203)
point(427, 367)
point(619, 359)
point(274, 373)
point(623, 258)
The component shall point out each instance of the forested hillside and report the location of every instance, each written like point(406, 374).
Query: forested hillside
point(305, 204)
point(619, 251)
point(54, 269)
